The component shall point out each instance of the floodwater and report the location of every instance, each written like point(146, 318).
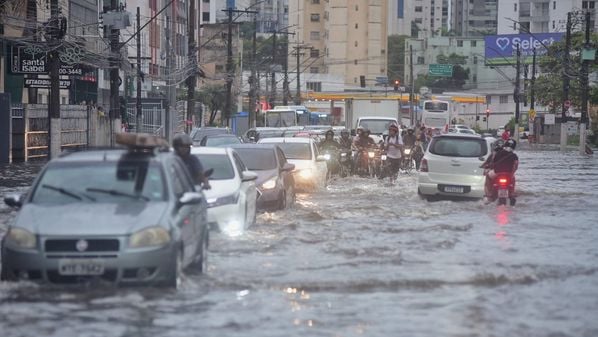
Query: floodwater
point(363, 258)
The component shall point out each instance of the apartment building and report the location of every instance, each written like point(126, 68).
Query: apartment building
point(419, 18)
point(539, 16)
point(474, 17)
point(346, 38)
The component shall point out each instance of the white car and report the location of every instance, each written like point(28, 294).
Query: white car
point(451, 166)
point(232, 198)
point(310, 167)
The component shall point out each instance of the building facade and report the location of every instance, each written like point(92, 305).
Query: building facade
point(419, 18)
point(474, 17)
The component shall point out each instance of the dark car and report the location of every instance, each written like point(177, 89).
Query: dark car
point(275, 183)
point(125, 216)
point(197, 134)
point(220, 140)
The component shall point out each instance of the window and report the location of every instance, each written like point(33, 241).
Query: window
point(314, 53)
point(418, 9)
point(514, 7)
point(314, 35)
point(314, 86)
point(205, 16)
point(356, 8)
point(356, 43)
point(421, 60)
point(356, 25)
point(355, 61)
point(584, 4)
point(475, 78)
point(592, 4)
point(488, 99)
point(206, 1)
point(314, 70)
point(475, 60)
point(554, 5)
point(459, 43)
point(503, 99)
point(315, 17)
point(418, 20)
point(553, 25)
point(315, 2)
point(219, 68)
point(474, 43)
point(383, 51)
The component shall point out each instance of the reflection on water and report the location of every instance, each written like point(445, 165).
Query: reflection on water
point(362, 258)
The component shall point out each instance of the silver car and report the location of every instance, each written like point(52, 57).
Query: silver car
point(122, 216)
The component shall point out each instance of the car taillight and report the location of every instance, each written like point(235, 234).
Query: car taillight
point(424, 165)
point(503, 181)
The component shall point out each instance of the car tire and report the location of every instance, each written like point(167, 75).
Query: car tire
point(175, 271)
point(282, 203)
point(291, 196)
point(202, 264)
point(5, 275)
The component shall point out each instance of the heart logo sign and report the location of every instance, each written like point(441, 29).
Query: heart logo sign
point(503, 43)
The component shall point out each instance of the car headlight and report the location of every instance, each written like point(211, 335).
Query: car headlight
point(371, 154)
point(270, 184)
point(306, 174)
point(344, 154)
point(21, 238)
point(226, 200)
point(149, 237)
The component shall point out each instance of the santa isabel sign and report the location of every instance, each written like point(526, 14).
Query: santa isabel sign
point(26, 61)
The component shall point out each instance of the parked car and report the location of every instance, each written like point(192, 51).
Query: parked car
point(275, 182)
point(462, 131)
point(197, 134)
point(254, 134)
point(451, 166)
point(232, 198)
point(310, 167)
point(220, 140)
point(119, 215)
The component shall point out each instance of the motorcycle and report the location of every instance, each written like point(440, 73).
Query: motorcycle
point(365, 162)
point(504, 188)
point(345, 159)
point(408, 164)
point(332, 162)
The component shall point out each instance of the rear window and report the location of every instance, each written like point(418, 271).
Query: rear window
point(458, 147)
point(223, 169)
point(257, 159)
point(296, 150)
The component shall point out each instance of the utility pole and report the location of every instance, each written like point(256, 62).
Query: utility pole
point(517, 95)
point(298, 54)
point(171, 113)
point(566, 103)
point(584, 88)
point(285, 83)
point(253, 97)
point(139, 119)
point(412, 85)
point(115, 80)
point(54, 127)
point(192, 79)
point(275, 57)
point(273, 78)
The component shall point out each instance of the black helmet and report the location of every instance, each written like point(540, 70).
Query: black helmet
point(366, 131)
point(410, 130)
point(181, 139)
point(329, 133)
point(498, 144)
point(344, 132)
point(510, 143)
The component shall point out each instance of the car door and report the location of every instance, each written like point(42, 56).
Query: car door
point(248, 189)
point(320, 166)
point(287, 177)
point(186, 217)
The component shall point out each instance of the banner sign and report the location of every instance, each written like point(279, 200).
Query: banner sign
point(502, 49)
point(45, 83)
point(32, 60)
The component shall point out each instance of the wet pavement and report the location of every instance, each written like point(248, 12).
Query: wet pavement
point(362, 258)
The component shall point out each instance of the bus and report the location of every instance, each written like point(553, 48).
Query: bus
point(435, 114)
point(279, 118)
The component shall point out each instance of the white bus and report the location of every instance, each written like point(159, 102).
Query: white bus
point(436, 114)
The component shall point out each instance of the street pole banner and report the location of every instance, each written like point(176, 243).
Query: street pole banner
point(502, 49)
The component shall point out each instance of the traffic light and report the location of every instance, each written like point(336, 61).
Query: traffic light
point(397, 83)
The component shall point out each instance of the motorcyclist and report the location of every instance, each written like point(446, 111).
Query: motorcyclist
point(182, 147)
point(394, 148)
point(329, 142)
point(488, 165)
point(358, 133)
point(365, 141)
point(345, 141)
point(505, 161)
point(409, 138)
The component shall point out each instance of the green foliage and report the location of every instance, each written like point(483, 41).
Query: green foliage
point(396, 58)
point(440, 84)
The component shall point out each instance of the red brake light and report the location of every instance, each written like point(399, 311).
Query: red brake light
point(424, 165)
point(503, 181)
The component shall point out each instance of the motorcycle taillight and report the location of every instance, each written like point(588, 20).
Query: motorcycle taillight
point(424, 165)
point(503, 181)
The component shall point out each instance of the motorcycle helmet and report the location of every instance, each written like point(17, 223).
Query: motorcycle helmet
point(410, 130)
point(498, 144)
point(365, 132)
point(393, 126)
point(345, 133)
point(181, 140)
point(329, 133)
point(511, 143)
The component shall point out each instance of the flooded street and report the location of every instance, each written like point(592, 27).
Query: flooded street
point(362, 258)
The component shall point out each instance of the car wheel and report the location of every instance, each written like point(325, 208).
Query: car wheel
point(290, 197)
point(202, 264)
point(5, 275)
point(176, 270)
point(282, 203)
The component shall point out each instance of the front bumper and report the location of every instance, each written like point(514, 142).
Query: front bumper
point(126, 266)
point(473, 189)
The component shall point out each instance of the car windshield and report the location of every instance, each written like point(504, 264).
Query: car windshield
point(376, 126)
point(258, 159)
point(106, 182)
point(296, 150)
point(223, 169)
point(459, 147)
point(220, 141)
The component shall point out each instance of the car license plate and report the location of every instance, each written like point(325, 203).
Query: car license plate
point(454, 189)
point(503, 193)
point(80, 267)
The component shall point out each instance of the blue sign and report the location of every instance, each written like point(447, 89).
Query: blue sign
point(230, 4)
point(502, 49)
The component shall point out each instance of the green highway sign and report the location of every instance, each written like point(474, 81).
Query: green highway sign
point(445, 70)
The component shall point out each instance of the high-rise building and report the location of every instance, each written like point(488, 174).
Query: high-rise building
point(419, 18)
point(348, 39)
point(474, 17)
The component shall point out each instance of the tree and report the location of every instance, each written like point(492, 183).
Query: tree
point(396, 57)
point(440, 84)
point(213, 97)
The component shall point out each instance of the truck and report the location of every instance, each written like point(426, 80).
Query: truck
point(373, 114)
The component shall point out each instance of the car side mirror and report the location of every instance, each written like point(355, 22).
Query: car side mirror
point(288, 167)
point(14, 200)
point(321, 158)
point(190, 198)
point(248, 176)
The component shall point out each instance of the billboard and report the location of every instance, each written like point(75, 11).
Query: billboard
point(502, 49)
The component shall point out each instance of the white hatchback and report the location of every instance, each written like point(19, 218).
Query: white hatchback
point(232, 198)
point(451, 166)
point(310, 167)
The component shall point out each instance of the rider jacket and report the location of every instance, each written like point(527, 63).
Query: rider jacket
point(365, 142)
point(409, 140)
point(346, 143)
point(505, 162)
point(331, 144)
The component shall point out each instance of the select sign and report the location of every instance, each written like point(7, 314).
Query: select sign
point(45, 83)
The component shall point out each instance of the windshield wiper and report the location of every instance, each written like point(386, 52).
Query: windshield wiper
point(66, 192)
point(117, 193)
